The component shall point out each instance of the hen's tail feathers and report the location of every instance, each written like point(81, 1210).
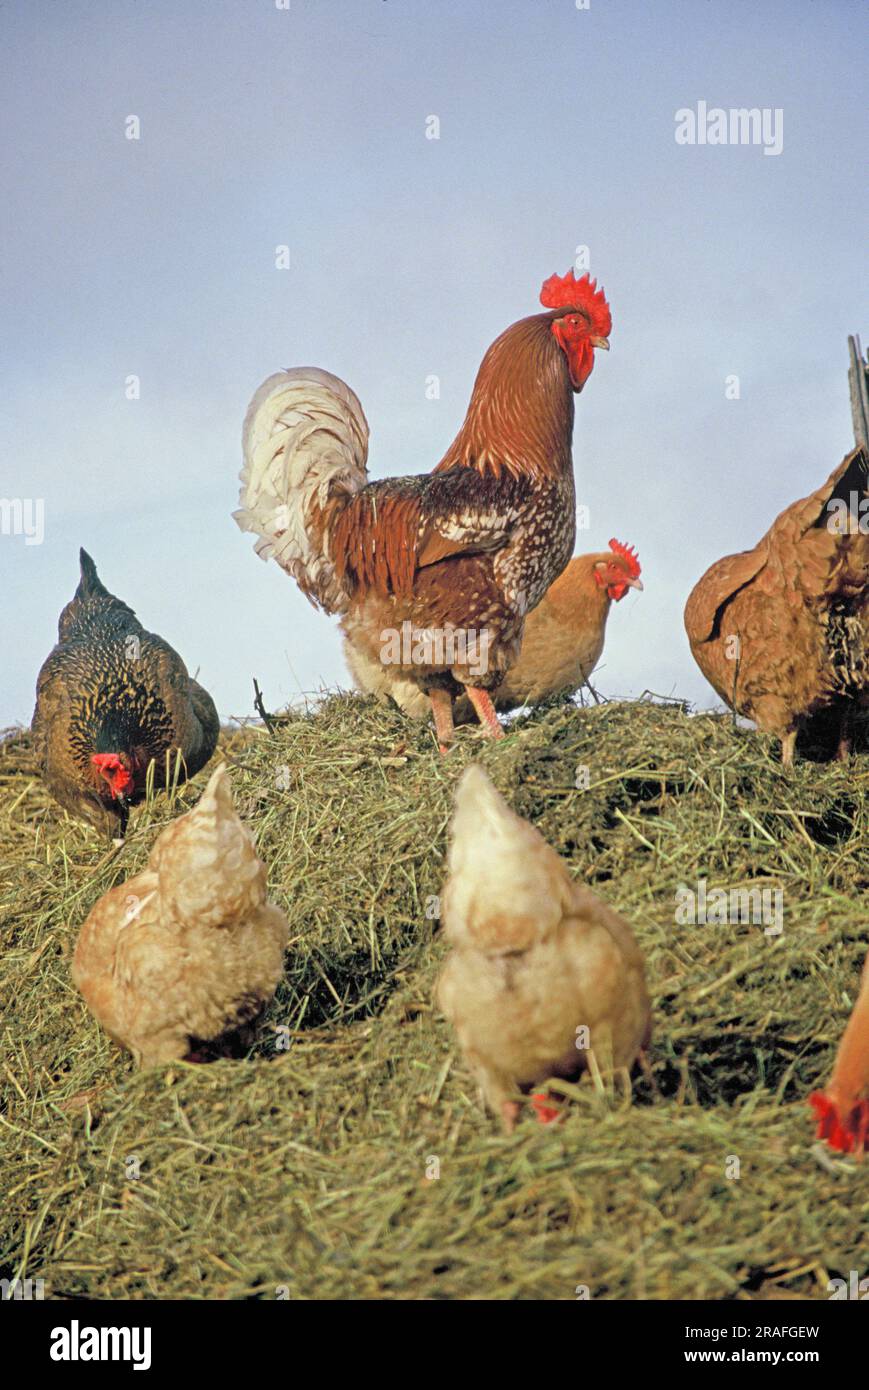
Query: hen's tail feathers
point(90, 583)
point(209, 871)
point(842, 1110)
point(507, 888)
point(305, 441)
point(850, 484)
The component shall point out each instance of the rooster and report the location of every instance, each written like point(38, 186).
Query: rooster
point(842, 1110)
point(111, 699)
point(432, 574)
point(782, 631)
point(189, 951)
point(542, 973)
point(562, 644)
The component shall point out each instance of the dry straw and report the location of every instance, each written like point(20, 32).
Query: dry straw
point(310, 1167)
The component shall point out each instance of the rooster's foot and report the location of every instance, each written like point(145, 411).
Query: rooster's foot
point(442, 710)
point(482, 702)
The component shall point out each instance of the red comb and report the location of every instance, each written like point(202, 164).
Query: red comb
point(629, 555)
point(848, 1135)
point(566, 292)
point(544, 1111)
point(118, 777)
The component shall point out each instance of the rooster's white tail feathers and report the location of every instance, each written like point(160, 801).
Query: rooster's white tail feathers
point(305, 441)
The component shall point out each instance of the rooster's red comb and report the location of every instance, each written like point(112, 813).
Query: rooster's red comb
point(566, 292)
point(629, 555)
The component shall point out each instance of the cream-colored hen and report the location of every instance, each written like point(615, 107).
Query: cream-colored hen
point(189, 949)
point(541, 971)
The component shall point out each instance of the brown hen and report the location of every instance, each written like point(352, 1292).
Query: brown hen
point(782, 631)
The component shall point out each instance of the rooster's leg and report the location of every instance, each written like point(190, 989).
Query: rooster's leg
point(482, 702)
point(442, 709)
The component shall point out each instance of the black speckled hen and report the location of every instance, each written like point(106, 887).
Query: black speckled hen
point(110, 700)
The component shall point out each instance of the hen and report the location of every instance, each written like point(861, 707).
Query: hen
point(562, 644)
point(782, 631)
point(432, 574)
point(542, 972)
point(842, 1109)
point(110, 700)
point(188, 950)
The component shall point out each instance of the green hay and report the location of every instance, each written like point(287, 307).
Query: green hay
point(306, 1168)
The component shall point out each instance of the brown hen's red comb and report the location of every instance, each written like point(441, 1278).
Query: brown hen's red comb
point(566, 292)
point(629, 555)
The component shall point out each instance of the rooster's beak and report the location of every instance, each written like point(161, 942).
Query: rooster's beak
point(634, 584)
point(601, 343)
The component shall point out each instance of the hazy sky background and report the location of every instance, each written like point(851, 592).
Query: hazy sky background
point(262, 126)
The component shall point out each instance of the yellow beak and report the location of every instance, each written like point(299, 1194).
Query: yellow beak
point(601, 343)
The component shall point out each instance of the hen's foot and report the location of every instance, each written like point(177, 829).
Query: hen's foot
point(482, 702)
point(509, 1115)
point(442, 710)
point(846, 738)
point(788, 744)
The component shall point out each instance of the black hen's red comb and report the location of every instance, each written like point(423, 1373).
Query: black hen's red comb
point(629, 555)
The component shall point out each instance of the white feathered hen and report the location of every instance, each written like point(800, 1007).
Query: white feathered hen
point(542, 972)
point(189, 949)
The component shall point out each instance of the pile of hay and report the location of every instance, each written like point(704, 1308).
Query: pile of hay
point(348, 1156)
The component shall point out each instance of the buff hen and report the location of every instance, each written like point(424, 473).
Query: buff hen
point(188, 950)
point(542, 973)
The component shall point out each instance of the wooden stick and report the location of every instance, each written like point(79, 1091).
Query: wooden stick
point(260, 707)
point(859, 389)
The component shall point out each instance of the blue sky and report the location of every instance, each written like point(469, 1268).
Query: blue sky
point(306, 127)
